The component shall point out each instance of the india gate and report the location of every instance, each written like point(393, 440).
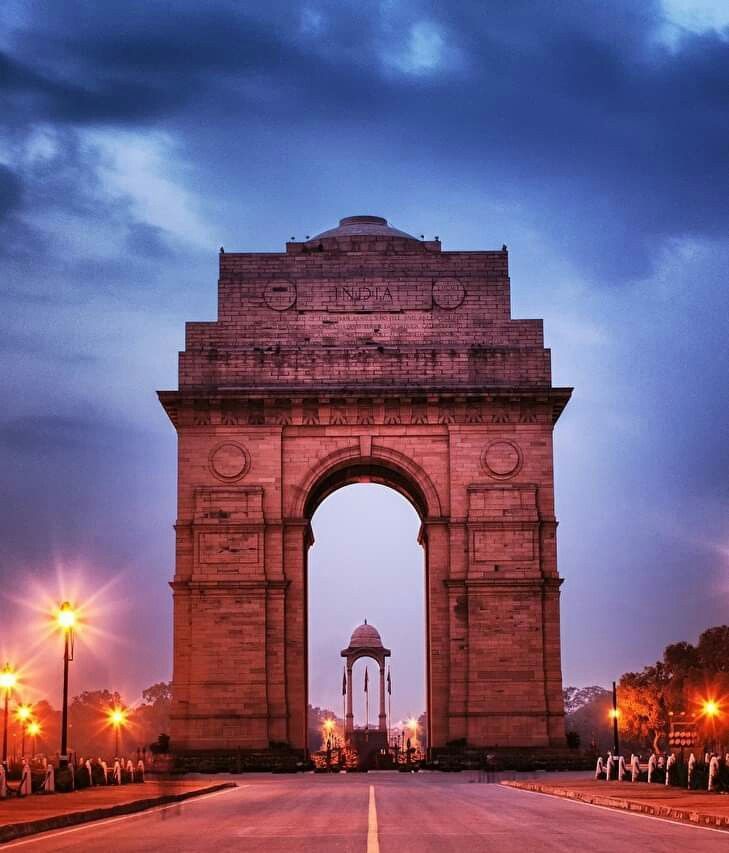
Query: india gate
point(364, 354)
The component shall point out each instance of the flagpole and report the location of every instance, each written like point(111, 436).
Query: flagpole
point(367, 703)
point(389, 705)
point(344, 706)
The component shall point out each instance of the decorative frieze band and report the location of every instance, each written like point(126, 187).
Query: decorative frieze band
point(364, 411)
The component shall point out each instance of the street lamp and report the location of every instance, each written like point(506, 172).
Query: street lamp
point(614, 715)
point(117, 718)
point(34, 729)
point(711, 708)
point(23, 713)
point(8, 680)
point(66, 619)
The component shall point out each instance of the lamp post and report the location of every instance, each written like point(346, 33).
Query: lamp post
point(8, 680)
point(117, 718)
point(710, 710)
point(66, 619)
point(34, 730)
point(23, 713)
point(614, 714)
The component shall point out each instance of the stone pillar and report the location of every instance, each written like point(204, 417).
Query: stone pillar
point(349, 722)
point(383, 715)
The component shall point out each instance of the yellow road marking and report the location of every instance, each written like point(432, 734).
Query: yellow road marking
point(373, 844)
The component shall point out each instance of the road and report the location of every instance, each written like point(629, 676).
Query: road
point(378, 813)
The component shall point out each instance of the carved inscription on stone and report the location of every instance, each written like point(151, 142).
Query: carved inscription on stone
point(365, 295)
point(448, 293)
point(280, 295)
point(228, 548)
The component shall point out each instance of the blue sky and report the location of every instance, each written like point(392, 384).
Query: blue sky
point(592, 138)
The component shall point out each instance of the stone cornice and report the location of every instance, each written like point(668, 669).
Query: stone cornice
point(214, 405)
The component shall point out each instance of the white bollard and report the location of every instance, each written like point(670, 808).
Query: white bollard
point(49, 782)
point(3, 783)
point(609, 767)
point(117, 772)
point(25, 789)
point(634, 768)
point(621, 768)
point(669, 764)
point(713, 771)
point(691, 765)
point(651, 766)
point(91, 775)
point(599, 768)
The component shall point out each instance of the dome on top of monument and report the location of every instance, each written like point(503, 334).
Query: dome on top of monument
point(362, 226)
point(366, 635)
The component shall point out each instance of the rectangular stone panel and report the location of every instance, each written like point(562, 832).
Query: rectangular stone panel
point(224, 548)
point(228, 505)
point(503, 546)
point(514, 502)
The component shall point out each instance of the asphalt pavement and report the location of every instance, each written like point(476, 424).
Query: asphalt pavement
point(378, 813)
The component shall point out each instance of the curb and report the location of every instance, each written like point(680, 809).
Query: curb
point(688, 816)
point(14, 831)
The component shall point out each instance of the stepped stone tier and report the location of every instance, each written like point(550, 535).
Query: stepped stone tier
point(365, 355)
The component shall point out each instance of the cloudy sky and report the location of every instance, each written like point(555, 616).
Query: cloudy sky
point(137, 137)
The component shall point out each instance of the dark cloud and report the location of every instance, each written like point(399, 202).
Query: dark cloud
point(10, 192)
point(569, 108)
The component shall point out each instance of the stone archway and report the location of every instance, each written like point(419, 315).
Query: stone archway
point(389, 467)
point(364, 354)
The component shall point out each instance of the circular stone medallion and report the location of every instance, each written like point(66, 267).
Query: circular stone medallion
point(501, 459)
point(280, 295)
point(229, 461)
point(448, 293)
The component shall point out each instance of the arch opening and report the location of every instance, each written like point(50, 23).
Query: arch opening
point(367, 563)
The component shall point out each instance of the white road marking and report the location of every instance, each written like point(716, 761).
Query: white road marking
point(373, 843)
point(619, 811)
point(55, 833)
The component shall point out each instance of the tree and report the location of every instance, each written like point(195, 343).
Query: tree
point(577, 697)
point(152, 717)
point(88, 717)
point(643, 706)
point(587, 714)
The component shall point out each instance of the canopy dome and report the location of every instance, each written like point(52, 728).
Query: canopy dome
point(365, 636)
point(362, 226)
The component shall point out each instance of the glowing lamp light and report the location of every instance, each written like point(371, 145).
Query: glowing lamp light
point(412, 723)
point(117, 717)
point(8, 678)
point(328, 725)
point(23, 713)
point(711, 708)
point(66, 616)
point(613, 713)
point(34, 729)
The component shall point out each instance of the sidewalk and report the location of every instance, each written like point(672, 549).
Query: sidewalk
point(696, 807)
point(41, 812)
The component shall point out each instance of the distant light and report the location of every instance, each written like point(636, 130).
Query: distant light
point(613, 713)
point(711, 708)
point(34, 729)
point(412, 723)
point(8, 678)
point(23, 712)
point(328, 725)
